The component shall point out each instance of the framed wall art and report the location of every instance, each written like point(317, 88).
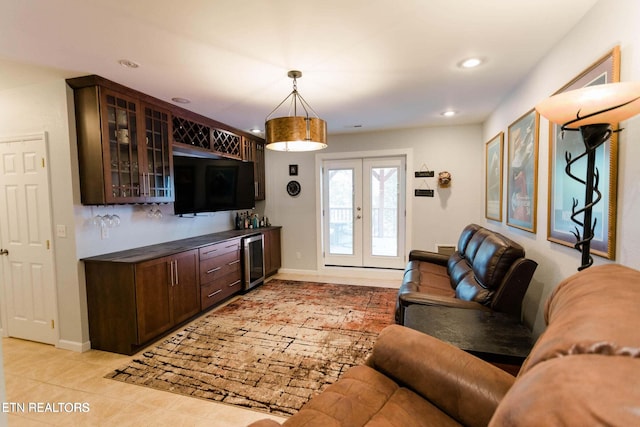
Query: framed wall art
point(522, 172)
point(493, 178)
point(565, 191)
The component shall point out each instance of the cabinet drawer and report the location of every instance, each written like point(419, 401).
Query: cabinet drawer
point(221, 248)
point(213, 268)
point(218, 290)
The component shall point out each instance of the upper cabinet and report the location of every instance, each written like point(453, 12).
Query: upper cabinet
point(126, 141)
point(124, 148)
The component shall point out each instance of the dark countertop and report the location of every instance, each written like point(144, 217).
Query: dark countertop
point(159, 250)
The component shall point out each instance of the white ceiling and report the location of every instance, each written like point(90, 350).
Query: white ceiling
point(372, 64)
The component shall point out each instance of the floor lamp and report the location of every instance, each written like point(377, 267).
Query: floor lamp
point(590, 111)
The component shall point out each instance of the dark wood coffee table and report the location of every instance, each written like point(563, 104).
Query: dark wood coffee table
point(495, 337)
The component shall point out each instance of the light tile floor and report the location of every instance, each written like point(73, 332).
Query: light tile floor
point(40, 373)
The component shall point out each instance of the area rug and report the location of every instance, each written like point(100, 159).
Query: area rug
point(271, 349)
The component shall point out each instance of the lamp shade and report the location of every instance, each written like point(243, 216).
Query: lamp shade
point(296, 133)
point(600, 104)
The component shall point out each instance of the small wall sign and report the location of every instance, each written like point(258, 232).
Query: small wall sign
point(419, 192)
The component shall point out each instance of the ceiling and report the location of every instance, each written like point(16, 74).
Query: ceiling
point(366, 64)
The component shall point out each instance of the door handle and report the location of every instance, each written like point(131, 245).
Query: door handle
point(4, 252)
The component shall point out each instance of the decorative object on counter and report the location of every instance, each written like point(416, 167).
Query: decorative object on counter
point(592, 111)
point(294, 188)
point(295, 133)
point(293, 170)
point(247, 220)
point(444, 179)
point(306, 335)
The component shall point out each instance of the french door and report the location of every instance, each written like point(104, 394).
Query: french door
point(364, 212)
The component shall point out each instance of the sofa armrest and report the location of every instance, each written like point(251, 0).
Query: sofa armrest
point(464, 386)
point(409, 298)
point(426, 256)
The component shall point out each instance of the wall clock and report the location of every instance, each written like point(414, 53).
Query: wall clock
point(293, 188)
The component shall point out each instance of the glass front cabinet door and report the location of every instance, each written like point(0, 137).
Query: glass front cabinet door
point(136, 150)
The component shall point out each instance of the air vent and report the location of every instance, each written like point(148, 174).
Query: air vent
point(446, 249)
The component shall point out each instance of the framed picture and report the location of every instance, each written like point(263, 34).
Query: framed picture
point(522, 172)
point(493, 179)
point(563, 190)
point(293, 170)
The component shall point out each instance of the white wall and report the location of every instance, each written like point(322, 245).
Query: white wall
point(43, 107)
point(609, 23)
point(436, 220)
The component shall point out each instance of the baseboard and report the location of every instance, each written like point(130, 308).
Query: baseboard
point(349, 272)
point(74, 346)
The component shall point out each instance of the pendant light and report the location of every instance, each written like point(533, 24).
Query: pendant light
point(295, 132)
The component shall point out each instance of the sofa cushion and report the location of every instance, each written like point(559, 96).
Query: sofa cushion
point(427, 278)
point(364, 396)
point(602, 315)
point(579, 390)
point(465, 236)
point(493, 259)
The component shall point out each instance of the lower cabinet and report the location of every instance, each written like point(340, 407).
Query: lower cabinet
point(272, 251)
point(220, 272)
point(135, 296)
point(129, 304)
point(166, 293)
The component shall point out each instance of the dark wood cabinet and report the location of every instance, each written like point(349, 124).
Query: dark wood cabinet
point(123, 146)
point(137, 295)
point(272, 251)
point(132, 303)
point(220, 272)
point(126, 141)
point(253, 151)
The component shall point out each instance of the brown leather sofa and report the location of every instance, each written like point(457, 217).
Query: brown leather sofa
point(487, 272)
point(583, 370)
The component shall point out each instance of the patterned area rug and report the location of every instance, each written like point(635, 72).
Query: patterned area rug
point(270, 350)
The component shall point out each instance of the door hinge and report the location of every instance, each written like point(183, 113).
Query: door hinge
point(43, 162)
point(53, 324)
point(48, 244)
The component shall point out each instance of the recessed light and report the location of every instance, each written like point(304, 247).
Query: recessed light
point(449, 113)
point(128, 63)
point(470, 63)
point(255, 130)
point(180, 100)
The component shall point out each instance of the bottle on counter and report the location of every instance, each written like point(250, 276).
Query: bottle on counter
point(238, 221)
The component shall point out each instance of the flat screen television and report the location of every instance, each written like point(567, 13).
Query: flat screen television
point(212, 185)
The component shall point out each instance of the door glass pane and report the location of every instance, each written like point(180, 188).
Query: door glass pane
point(384, 211)
point(341, 211)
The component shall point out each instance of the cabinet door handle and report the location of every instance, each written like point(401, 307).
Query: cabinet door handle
point(231, 285)
point(171, 274)
point(214, 293)
point(213, 270)
point(234, 262)
point(176, 273)
point(210, 252)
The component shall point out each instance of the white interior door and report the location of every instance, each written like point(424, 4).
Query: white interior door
point(25, 237)
point(364, 212)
